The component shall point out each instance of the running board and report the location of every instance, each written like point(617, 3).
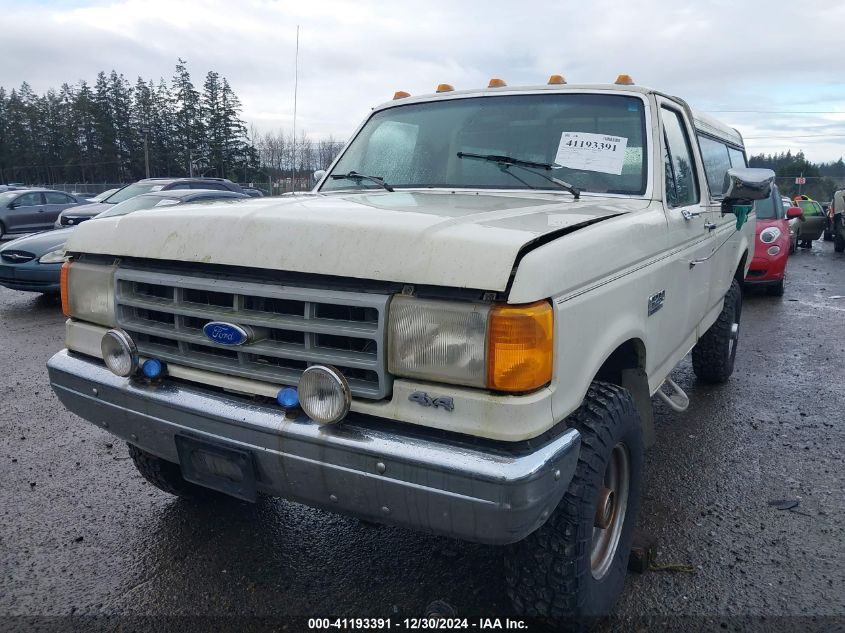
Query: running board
point(679, 401)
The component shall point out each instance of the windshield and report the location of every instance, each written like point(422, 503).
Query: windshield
point(595, 143)
point(137, 204)
point(131, 191)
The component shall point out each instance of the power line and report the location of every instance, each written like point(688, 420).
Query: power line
point(775, 111)
point(747, 138)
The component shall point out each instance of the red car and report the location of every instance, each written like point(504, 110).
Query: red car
point(771, 244)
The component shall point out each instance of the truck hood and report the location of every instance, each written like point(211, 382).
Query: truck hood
point(457, 239)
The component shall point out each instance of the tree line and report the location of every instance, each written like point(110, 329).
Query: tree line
point(822, 179)
point(110, 131)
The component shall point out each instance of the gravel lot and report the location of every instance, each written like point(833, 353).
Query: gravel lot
point(81, 533)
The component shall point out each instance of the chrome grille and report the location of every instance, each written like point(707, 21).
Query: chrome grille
point(293, 327)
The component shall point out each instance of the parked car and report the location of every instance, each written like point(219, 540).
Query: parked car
point(787, 203)
point(812, 221)
point(33, 263)
point(102, 196)
point(772, 244)
point(837, 208)
point(29, 210)
point(252, 192)
point(79, 214)
point(462, 333)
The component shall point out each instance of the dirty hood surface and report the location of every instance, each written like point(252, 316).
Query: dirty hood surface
point(464, 240)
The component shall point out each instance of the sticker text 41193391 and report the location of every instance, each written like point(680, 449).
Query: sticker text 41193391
point(592, 152)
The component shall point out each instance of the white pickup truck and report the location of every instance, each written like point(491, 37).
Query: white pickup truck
point(459, 330)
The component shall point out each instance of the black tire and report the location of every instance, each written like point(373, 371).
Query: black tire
point(167, 476)
point(714, 354)
point(550, 574)
point(776, 289)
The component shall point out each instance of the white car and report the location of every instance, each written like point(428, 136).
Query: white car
point(459, 330)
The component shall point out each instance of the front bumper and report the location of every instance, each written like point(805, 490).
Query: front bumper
point(492, 493)
point(31, 276)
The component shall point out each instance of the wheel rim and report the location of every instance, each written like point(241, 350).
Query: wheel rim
point(612, 505)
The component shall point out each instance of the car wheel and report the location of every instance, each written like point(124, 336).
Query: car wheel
point(167, 477)
point(714, 354)
point(574, 565)
point(776, 290)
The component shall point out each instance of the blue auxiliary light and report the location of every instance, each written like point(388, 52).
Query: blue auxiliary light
point(288, 398)
point(153, 368)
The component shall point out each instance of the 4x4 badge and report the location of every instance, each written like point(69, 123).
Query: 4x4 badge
point(422, 398)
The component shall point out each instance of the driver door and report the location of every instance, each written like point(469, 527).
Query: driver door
point(28, 212)
point(688, 220)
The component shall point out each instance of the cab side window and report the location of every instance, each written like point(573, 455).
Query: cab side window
point(682, 187)
point(717, 162)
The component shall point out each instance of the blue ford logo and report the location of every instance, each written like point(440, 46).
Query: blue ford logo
point(226, 333)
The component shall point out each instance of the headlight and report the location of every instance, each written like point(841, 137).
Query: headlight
point(500, 347)
point(88, 292)
point(53, 257)
point(769, 235)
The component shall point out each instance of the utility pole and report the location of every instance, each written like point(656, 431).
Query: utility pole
point(146, 132)
point(295, 90)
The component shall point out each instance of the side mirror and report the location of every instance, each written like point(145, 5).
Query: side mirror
point(744, 185)
point(794, 212)
point(319, 174)
point(14, 204)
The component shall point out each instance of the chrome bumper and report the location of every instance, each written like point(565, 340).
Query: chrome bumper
point(413, 479)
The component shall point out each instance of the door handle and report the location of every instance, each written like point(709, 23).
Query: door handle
point(689, 215)
point(710, 226)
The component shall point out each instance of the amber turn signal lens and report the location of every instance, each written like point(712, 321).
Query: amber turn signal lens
point(520, 347)
point(63, 287)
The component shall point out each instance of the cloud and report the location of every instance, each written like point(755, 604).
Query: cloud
point(718, 55)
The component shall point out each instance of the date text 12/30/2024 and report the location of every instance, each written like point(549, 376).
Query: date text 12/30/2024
point(414, 624)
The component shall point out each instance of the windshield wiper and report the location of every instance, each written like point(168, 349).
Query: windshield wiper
point(507, 161)
point(354, 175)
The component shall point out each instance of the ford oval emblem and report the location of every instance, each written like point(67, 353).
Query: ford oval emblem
point(226, 333)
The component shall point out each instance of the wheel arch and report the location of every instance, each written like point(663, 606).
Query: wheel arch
point(741, 269)
point(625, 367)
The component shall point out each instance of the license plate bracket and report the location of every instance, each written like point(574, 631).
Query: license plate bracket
point(217, 466)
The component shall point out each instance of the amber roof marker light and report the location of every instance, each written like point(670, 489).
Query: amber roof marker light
point(445, 87)
point(556, 80)
point(624, 80)
point(401, 94)
point(497, 83)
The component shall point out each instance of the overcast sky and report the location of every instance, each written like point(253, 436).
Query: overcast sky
point(780, 59)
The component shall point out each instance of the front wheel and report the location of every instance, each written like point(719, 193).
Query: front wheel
point(714, 355)
point(574, 566)
point(776, 289)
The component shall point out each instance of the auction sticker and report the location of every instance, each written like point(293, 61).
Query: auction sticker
point(591, 152)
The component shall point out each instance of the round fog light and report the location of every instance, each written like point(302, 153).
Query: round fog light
point(119, 353)
point(324, 394)
point(773, 250)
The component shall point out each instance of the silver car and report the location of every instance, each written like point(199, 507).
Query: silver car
point(30, 210)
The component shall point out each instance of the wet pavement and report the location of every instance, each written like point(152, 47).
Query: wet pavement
point(82, 533)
